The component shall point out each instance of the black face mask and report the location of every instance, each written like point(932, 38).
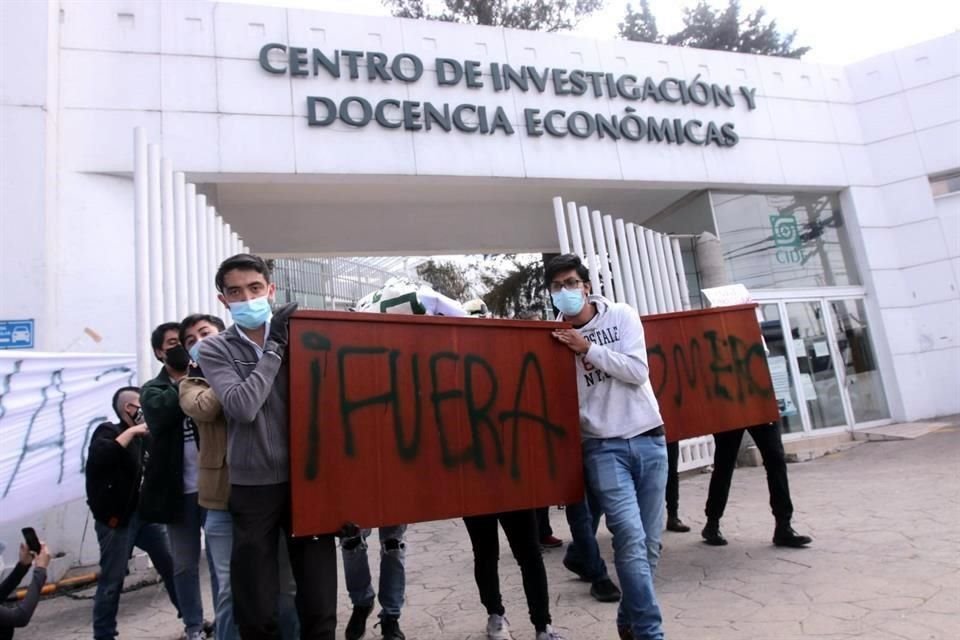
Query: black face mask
point(177, 358)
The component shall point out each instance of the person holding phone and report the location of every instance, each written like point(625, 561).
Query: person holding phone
point(113, 471)
point(18, 615)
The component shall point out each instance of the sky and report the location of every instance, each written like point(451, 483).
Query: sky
point(839, 31)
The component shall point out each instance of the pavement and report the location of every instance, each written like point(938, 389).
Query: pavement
point(884, 565)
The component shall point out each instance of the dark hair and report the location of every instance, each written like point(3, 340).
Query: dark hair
point(196, 318)
point(156, 338)
point(243, 262)
point(115, 402)
point(563, 263)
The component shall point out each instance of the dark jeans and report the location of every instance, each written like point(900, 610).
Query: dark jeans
point(673, 478)
point(583, 518)
point(260, 514)
point(116, 545)
point(521, 530)
point(544, 529)
point(727, 444)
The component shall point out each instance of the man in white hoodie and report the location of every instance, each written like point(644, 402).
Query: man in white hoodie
point(624, 448)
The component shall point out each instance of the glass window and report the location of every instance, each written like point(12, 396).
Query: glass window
point(944, 185)
point(784, 240)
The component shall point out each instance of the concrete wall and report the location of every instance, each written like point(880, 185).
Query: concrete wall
point(908, 108)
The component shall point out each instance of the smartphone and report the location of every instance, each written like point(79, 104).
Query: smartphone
point(30, 537)
point(138, 416)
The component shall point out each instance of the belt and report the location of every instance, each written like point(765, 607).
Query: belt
point(654, 432)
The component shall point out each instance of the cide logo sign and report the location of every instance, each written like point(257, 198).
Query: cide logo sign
point(786, 238)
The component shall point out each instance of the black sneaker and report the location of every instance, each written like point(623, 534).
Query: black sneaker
point(390, 628)
point(577, 568)
point(712, 536)
point(357, 626)
point(785, 536)
point(209, 628)
point(603, 590)
point(675, 524)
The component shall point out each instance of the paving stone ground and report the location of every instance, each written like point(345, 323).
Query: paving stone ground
point(885, 564)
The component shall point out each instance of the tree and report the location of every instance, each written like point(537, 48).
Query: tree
point(519, 290)
point(447, 278)
point(533, 15)
point(722, 30)
point(639, 26)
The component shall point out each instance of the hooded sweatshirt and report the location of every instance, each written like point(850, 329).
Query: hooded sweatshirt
point(616, 397)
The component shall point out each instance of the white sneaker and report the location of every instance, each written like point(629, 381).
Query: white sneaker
point(498, 628)
point(549, 634)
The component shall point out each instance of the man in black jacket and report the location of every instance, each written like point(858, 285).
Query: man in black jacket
point(169, 493)
point(114, 470)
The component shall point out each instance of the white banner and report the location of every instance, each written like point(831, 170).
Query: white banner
point(50, 404)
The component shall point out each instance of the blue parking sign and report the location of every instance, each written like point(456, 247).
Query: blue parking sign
point(16, 334)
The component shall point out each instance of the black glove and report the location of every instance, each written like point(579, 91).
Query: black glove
point(280, 327)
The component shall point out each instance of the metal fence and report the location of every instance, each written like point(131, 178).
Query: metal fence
point(335, 283)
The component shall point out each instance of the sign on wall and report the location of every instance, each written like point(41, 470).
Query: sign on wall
point(630, 92)
point(16, 334)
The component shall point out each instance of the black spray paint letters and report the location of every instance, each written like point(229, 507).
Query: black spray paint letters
point(52, 393)
point(716, 367)
point(447, 383)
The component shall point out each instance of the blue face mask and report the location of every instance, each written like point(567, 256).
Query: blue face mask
point(250, 314)
point(195, 351)
point(568, 302)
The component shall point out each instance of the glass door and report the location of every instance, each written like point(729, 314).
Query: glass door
point(819, 380)
point(781, 373)
point(863, 386)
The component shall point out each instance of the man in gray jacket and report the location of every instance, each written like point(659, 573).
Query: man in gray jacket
point(244, 367)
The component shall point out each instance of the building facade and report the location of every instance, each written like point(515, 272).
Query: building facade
point(834, 190)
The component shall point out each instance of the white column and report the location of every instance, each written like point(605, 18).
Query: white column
point(646, 266)
point(602, 257)
point(169, 235)
point(590, 252)
point(141, 233)
point(203, 258)
point(577, 239)
point(560, 221)
point(193, 271)
point(655, 272)
point(215, 238)
point(672, 278)
point(614, 256)
point(624, 264)
point(681, 274)
point(156, 236)
point(661, 270)
point(639, 288)
point(181, 240)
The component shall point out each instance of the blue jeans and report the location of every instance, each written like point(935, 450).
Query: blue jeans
point(583, 518)
point(219, 533)
point(356, 570)
point(185, 546)
point(628, 478)
point(116, 545)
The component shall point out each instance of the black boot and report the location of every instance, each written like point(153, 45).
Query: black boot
point(390, 627)
point(711, 533)
point(785, 536)
point(357, 626)
point(675, 524)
